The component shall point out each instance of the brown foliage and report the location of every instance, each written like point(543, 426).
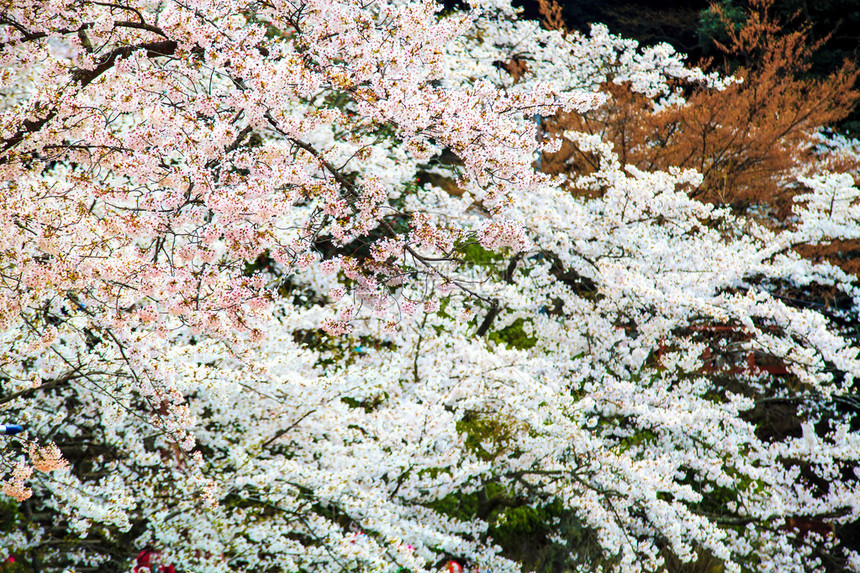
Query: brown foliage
point(744, 140)
point(550, 11)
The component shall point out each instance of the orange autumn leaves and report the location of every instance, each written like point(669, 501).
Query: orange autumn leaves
point(749, 141)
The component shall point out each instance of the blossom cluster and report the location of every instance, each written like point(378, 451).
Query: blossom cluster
point(282, 289)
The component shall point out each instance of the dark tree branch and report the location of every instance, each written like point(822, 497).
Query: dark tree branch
point(86, 77)
point(62, 380)
point(494, 311)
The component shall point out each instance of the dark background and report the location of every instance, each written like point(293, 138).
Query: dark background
point(685, 25)
point(679, 22)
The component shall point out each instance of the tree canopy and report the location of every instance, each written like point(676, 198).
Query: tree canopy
point(338, 285)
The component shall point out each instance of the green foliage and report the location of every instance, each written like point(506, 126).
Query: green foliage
point(541, 534)
point(637, 438)
point(10, 515)
point(482, 431)
point(473, 254)
point(514, 336)
point(368, 404)
point(545, 537)
point(714, 22)
point(13, 567)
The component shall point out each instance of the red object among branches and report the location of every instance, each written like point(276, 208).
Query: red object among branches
point(148, 562)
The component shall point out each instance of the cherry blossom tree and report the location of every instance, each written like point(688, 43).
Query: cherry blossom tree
point(282, 290)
